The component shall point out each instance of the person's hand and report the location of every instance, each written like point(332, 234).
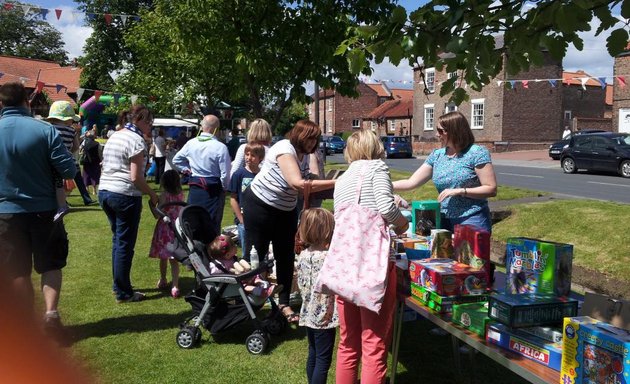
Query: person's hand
point(153, 199)
point(400, 202)
point(448, 193)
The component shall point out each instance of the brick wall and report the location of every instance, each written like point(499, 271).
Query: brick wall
point(348, 109)
point(621, 96)
point(592, 123)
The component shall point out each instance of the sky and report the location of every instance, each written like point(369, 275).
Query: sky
point(593, 59)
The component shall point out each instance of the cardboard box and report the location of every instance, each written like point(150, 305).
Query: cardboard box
point(536, 266)
point(442, 304)
point(448, 277)
point(471, 245)
point(530, 347)
point(594, 352)
point(604, 308)
point(441, 244)
point(472, 316)
point(530, 310)
point(402, 277)
point(425, 215)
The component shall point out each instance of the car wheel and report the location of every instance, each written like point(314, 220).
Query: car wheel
point(568, 165)
point(624, 168)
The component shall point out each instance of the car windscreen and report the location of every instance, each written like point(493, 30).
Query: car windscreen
point(623, 140)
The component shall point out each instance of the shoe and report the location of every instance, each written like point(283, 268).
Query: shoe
point(291, 317)
point(162, 284)
point(137, 296)
point(55, 330)
point(61, 212)
point(175, 292)
point(90, 202)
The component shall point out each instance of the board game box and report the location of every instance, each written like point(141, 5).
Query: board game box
point(472, 316)
point(530, 310)
point(442, 304)
point(471, 245)
point(447, 277)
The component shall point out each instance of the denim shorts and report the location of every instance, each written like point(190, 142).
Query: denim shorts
point(481, 220)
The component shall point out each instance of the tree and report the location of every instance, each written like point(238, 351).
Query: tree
point(466, 30)
point(28, 37)
point(291, 115)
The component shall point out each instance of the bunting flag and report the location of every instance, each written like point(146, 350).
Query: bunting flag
point(108, 18)
point(512, 83)
point(58, 13)
point(43, 12)
point(525, 84)
point(123, 19)
point(23, 80)
point(80, 93)
point(552, 82)
point(97, 95)
point(8, 6)
point(58, 87)
point(622, 81)
point(26, 9)
point(1, 74)
point(602, 81)
point(499, 82)
point(583, 80)
point(134, 99)
point(91, 16)
point(39, 86)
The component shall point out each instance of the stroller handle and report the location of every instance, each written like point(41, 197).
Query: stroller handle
point(160, 208)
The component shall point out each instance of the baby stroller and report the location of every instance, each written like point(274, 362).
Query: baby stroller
point(219, 301)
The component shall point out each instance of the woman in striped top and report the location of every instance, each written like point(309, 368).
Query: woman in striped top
point(365, 335)
point(269, 204)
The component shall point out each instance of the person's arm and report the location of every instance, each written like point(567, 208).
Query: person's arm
point(419, 178)
point(291, 171)
point(236, 207)
point(239, 159)
point(488, 187)
point(224, 166)
point(180, 160)
point(383, 194)
point(75, 143)
point(60, 158)
point(137, 177)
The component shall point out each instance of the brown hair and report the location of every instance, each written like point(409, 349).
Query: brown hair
point(255, 149)
point(458, 130)
point(13, 94)
point(363, 145)
point(303, 131)
point(316, 227)
point(220, 246)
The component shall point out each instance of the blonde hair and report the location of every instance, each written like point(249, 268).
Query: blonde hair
point(363, 145)
point(259, 132)
point(316, 227)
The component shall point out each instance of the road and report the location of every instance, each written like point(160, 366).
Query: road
point(541, 176)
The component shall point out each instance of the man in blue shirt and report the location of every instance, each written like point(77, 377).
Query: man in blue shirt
point(207, 160)
point(29, 151)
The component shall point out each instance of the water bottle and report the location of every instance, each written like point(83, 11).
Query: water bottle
point(253, 258)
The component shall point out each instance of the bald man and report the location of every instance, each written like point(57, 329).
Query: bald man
point(207, 161)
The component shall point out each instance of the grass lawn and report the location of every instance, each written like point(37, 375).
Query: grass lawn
point(135, 342)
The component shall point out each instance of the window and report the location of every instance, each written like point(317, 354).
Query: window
point(392, 126)
point(583, 142)
point(477, 113)
point(329, 104)
point(567, 115)
point(451, 75)
point(450, 107)
point(356, 124)
point(601, 144)
point(329, 127)
point(428, 117)
point(374, 125)
point(429, 77)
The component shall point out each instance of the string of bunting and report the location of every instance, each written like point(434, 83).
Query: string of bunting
point(32, 12)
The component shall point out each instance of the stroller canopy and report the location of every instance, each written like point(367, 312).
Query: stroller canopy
point(196, 224)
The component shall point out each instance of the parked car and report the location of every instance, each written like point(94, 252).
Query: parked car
point(334, 144)
point(604, 151)
point(555, 149)
point(397, 146)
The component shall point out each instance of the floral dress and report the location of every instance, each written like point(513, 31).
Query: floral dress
point(164, 242)
point(319, 311)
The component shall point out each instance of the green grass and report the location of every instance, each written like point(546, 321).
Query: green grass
point(135, 342)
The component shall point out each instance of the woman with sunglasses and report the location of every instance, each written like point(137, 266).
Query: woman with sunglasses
point(462, 173)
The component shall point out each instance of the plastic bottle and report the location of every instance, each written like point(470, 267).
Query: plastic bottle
point(253, 258)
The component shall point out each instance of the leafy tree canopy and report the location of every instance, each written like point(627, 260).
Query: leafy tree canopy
point(29, 37)
point(466, 29)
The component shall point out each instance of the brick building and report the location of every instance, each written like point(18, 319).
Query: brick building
point(339, 114)
point(621, 94)
point(393, 117)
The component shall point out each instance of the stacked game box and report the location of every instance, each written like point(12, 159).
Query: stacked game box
point(519, 311)
point(472, 316)
point(594, 352)
point(472, 246)
point(446, 277)
point(443, 304)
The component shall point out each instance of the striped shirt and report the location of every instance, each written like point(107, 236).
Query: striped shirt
point(376, 190)
point(270, 185)
point(116, 171)
point(67, 134)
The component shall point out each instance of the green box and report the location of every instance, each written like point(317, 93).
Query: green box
point(425, 210)
point(472, 316)
point(442, 304)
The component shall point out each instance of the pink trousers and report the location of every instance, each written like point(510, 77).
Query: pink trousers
point(365, 336)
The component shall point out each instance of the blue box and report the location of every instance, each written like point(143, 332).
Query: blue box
point(417, 254)
point(528, 346)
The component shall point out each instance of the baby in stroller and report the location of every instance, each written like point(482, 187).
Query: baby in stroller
point(223, 250)
point(219, 300)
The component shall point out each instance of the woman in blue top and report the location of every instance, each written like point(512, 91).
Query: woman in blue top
point(462, 173)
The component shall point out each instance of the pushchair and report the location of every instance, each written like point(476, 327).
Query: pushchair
point(219, 301)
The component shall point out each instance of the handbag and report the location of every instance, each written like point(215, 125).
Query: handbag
point(298, 247)
point(356, 265)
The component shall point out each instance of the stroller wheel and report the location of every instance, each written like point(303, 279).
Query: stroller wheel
point(186, 337)
point(256, 343)
point(276, 325)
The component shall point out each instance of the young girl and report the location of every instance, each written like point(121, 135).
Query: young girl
point(223, 249)
point(319, 311)
point(164, 243)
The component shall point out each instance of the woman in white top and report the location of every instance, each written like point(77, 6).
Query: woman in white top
point(259, 133)
point(269, 204)
point(120, 194)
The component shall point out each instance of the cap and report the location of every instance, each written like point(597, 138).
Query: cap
point(62, 110)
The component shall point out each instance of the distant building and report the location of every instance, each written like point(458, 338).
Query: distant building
point(621, 93)
point(393, 117)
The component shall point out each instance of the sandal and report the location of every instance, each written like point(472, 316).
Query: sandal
point(292, 317)
point(162, 284)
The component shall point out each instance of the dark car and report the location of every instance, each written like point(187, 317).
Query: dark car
point(606, 151)
point(555, 149)
point(334, 144)
point(397, 146)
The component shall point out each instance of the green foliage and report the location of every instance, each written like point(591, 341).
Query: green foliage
point(296, 111)
point(30, 37)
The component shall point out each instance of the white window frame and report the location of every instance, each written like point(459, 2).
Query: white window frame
point(357, 125)
point(329, 104)
point(474, 115)
point(329, 127)
point(373, 126)
point(392, 125)
point(568, 115)
point(448, 106)
point(429, 121)
point(429, 77)
point(450, 75)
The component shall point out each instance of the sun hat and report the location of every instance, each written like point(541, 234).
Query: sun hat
point(62, 110)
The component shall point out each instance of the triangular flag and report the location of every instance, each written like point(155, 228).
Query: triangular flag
point(97, 95)
point(23, 80)
point(583, 80)
point(602, 81)
point(39, 86)
point(512, 82)
point(525, 84)
point(8, 6)
point(76, 15)
point(91, 16)
point(58, 13)
point(622, 81)
point(134, 98)
point(552, 82)
point(123, 18)
point(26, 9)
point(1, 74)
point(116, 98)
point(80, 93)
point(43, 13)
point(108, 18)
point(58, 86)
point(136, 18)
point(499, 82)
